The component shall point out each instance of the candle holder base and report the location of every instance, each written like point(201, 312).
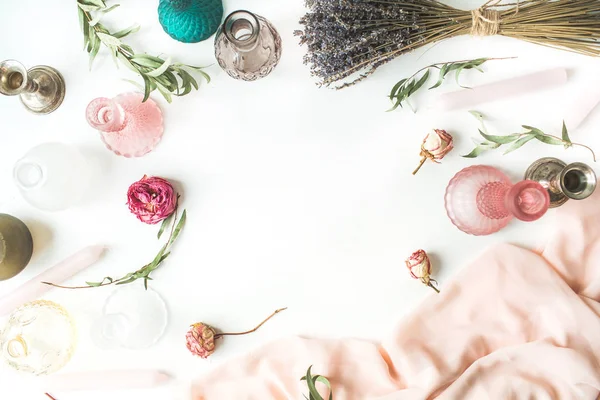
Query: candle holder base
point(545, 171)
point(51, 91)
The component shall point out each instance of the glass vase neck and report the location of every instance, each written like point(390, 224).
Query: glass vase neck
point(526, 200)
point(29, 174)
point(242, 29)
point(105, 115)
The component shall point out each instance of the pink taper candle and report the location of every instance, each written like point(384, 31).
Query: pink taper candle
point(106, 380)
point(62, 271)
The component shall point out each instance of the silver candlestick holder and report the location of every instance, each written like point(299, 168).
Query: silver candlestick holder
point(41, 88)
point(575, 181)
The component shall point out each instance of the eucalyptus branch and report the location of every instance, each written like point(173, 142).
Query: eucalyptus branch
point(311, 380)
point(407, 87)
point(170, 79)
point(517, 140)
point(146, 270)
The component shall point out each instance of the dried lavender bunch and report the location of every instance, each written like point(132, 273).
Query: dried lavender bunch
point(348, 40)
point(346, 36)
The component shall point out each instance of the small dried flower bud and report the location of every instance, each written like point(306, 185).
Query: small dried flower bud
point(201, 340)
point(435, 146)
point(419, 267)
point(151, 199)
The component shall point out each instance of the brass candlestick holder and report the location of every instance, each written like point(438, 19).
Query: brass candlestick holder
point(41, 88)
point(575, 181)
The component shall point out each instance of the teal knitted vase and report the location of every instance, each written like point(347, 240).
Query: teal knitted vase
point(190, 21)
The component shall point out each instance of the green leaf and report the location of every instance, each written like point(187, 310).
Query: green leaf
point(95, 48)
point(86, 31)
point(127, 31)
point(477, 115)
point(312, 389)
point(107, 279)
point(396, 87)
point(88, 8)
point(160, 70)
point(179, 227)
point(147, 88)
point(500, 139)
point(164, 225)
point(419, 83)
point(549, 140)
point(132, 279)
point(325, 381)
point(565, 136)
point(127, 63)
point(526, 138)
point(101, 13)
point(164, 91)
point(108, 39)
point(477, 151)
point(442, 75)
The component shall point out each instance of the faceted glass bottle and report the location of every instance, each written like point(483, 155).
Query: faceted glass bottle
point(247, 46)
point(481, 200)
point(128, 126)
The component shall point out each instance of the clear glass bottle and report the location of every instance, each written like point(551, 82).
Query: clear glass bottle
point(128, 126)
point(247, 46)
point(39, 338)
point(52, 176)
point(481, 200)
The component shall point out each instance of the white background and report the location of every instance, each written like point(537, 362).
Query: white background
point(297, 196)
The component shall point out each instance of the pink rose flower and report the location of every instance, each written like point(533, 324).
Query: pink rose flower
point(200, 340)
point(151, 199)
point(435, 146)
point(419, 267)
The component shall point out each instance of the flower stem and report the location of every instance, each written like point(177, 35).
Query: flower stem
point(423, 159)
point(431, 285)
point(218, 335)
point(50, 396)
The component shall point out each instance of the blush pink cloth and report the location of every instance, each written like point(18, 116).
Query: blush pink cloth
point(514, 324)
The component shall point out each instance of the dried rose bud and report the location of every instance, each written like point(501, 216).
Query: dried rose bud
point(435, 146)
point(151, 199)
point(419, 266)
point(200, 339)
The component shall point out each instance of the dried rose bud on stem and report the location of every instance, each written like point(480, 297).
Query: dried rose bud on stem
point(419, 267)
point(200, 339)
point(435, 146)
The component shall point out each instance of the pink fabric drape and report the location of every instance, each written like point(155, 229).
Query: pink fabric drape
point(514, 324)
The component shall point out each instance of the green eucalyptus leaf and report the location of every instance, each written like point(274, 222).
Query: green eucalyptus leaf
point(500, 139)
point(127, 31)
point(125, 282)
point(549, 140)
point(312, 389)
point(418, 84)
point(108, 39)
point(442, 75)
point(160, 70)
point(477, 115)
point(163, 90)
point(396, 87)
point(325, 381)
point(95, 48)
point(87, 7)
point(476, 152)
point(517, 144)
point(127, 63)
point(565, 136)
point(147, 88)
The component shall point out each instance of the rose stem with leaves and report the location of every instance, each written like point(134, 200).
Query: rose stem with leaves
point(146, 270)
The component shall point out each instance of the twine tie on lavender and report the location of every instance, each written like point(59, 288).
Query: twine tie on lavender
point(486, 22)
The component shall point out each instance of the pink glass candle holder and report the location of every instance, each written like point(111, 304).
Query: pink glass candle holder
point(481, 200)
point(128, 126)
